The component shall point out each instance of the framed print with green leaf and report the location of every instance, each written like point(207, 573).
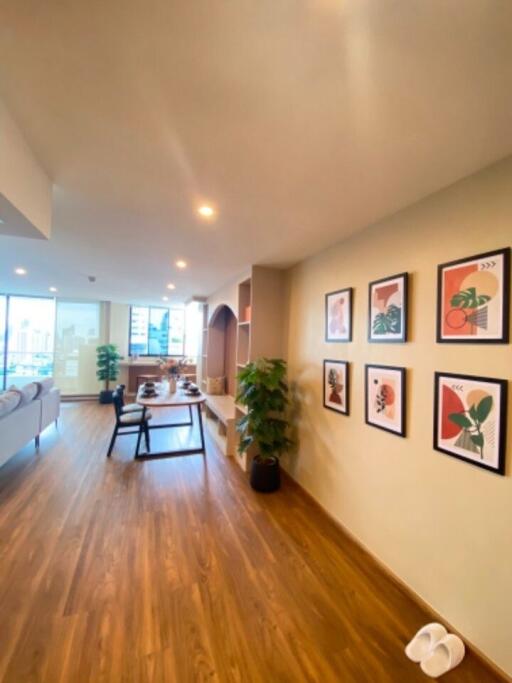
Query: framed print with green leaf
point(336, 386)
point(473, 299)
point(470, 418)
point(387, 309)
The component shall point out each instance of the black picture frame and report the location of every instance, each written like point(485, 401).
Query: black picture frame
point(403, 390)
point(405, 286)
point(346, 365)
point(502, 443)
point(505, 293)
point(349, 292)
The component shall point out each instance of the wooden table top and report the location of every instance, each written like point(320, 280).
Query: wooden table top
point(163, 399)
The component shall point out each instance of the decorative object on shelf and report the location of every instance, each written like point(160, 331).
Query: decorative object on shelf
point(387, 309)
point(336, 386)
point(263, 390)
point(473, 299)
point(338, 316)
point(470, 416)
point(215, 385)
point(108, 369)
point(385, 398)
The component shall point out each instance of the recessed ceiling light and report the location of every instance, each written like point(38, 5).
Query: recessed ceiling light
point(171, 286)
point(20, 271)
point(165, 298)
point(181, 264)
point(206, 211)
point(52, 289)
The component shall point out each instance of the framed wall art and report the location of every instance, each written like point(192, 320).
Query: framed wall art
point(385, 398)
point(470, 419)
point(338, 316)
point(387, 309)
point(473, 299)
point(336, 386)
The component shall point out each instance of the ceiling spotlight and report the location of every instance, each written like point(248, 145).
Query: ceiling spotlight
point(181, 264)
point(205, 211)
point(20, 271)
point(165, 298)
point(52, 289)
point(171, 286)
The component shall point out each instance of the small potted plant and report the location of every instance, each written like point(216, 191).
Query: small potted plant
point(263, 390)
point(108, 369)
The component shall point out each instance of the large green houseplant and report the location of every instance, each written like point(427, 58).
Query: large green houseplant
point(263, 390)
point(108, 369)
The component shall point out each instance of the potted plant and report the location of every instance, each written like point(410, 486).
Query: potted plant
point(108, 369)
point(263, 390)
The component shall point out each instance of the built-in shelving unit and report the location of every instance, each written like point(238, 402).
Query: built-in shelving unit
point(259, 332)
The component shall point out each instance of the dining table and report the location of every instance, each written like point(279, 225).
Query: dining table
point(181, 398)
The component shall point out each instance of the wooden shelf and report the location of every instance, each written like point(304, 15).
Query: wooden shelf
point(241, 409)
point(244, 322)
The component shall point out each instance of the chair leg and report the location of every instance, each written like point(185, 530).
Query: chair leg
point(37, 442)
point(146, 434)
point(139, 435)
point(112, 441)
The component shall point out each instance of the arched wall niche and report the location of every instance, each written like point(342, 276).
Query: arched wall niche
point(221, 352)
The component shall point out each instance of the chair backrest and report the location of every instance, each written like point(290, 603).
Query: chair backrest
point(118, 401)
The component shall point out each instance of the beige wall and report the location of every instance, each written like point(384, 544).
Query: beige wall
point(23, 182)
point(443, 526)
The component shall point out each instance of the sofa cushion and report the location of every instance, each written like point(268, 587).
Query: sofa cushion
point(9, 401)
point(44, 386)
point(27, 393)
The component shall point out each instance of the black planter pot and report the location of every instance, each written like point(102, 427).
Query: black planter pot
point(106, 396)
point(265, 476)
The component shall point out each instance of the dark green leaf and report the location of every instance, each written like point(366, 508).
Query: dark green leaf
point(484, 408)
point(461, 420)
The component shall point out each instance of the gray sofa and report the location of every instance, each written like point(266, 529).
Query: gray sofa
point(24, 414)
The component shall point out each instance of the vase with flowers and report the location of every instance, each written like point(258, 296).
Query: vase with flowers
point(172, 367)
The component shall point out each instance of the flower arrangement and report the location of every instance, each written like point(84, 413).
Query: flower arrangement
point(172, 366)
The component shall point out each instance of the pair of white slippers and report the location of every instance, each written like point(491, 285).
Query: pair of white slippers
point(436, 650)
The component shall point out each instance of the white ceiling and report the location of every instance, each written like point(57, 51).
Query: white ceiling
point(301, 120)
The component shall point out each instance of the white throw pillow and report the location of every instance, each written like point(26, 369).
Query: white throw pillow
point(9, 401)
point(27, 393)
point(44, 387)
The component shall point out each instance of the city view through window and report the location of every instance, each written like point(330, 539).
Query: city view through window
point(156, 331)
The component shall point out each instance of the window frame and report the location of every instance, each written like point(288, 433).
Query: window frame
point(154, 355)
point(3, 375)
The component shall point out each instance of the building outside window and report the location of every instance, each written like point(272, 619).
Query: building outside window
point(156, 331)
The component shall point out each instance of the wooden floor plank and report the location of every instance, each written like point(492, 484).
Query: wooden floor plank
point(116, 571)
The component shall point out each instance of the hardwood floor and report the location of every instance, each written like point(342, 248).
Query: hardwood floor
point(175, 570)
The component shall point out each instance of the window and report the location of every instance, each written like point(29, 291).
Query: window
point(30, 334)
point(78, 331)
point(156, 331)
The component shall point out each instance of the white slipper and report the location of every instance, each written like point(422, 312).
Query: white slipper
point(446, 654)
point(424, 641)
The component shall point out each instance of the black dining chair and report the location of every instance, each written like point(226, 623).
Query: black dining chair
point(127, 407)
point(135, 422)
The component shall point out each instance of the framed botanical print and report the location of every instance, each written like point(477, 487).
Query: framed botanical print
point(336, 386)
point(473, 299)
point(387, 309)
point(338, 316)
point(470, 416)
point(385, 398)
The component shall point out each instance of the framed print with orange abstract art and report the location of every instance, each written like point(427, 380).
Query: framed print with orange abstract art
point(387, 309)
point(385, 398)
point(338, 316)
point(473, 299)
point(336, 386)
point(470, 419)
